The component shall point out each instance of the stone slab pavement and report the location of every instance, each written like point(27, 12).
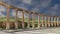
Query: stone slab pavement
point(41, 31)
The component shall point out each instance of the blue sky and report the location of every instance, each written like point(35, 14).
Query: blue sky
point(48, 7)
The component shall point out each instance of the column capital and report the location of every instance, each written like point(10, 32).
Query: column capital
point(8, 6)
point(39, 14)
point(28, 12)
point(23, 10)
point(33, 12)
point(48, 16)
point(43, 15)
point(16, 9)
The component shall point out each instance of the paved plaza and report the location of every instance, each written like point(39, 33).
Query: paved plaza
point(40, 31)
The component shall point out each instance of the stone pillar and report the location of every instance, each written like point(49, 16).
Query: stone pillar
point(57, 21)
point(23, 19)
point(16, 19)
point(52, 21)
point(42, 21)
point(28, 20)
point(7, 17)
point(39, 21)
point(48, 21)
point(33, 20)
point(45, 22)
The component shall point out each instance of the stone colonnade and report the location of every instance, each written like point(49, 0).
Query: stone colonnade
point(45, 21)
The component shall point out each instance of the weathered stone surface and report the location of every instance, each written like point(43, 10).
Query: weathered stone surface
point(41, 31)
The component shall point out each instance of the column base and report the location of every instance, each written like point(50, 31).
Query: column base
point(16, 25)
point(7, 26)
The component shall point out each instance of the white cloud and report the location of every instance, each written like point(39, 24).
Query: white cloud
point(53, 10)
point(1, 15)
point(22, 6)
point(27, 1)
point(53, 13)
point(19, 14)
point(45, 3)
point(35, 9)
point(55, 7)
point(2, 9)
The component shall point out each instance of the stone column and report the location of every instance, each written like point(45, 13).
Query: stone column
point(33, 20)
point(57, 21)
point(39, 21)
point(48, 21)
point(7, 17)
point(28, 20)
point(23, 19)
point(45, 22)
point(52, 21)
point(42, 21)
point(16, 19)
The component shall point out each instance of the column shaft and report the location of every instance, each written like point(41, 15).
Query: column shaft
point(7, 24)
point(29, 20)
point(57, 21)
point(52, 21)
point(42, 21)
point(48, 21)
point(16, 19)
point(23, 18)
point(33, 20)
point(45, 22)
point(38, 21)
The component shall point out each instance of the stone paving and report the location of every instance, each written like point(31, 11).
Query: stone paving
point(43, 31)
